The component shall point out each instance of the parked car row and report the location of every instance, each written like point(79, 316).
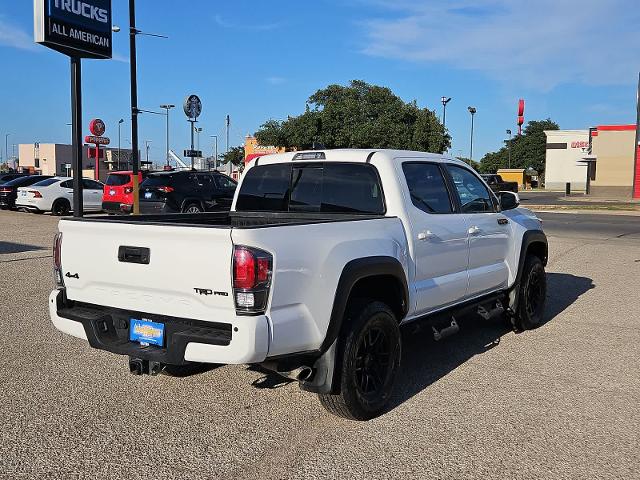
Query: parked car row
point(169, 192)
point(160, 192)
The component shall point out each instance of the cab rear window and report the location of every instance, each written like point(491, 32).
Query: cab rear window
point(313, 187)
point(117, 180)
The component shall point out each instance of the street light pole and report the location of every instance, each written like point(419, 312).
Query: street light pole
point(472, 111)
point(444, 101)
point(6, 146)
point(119, 125)
point(146, 145)
point(509, 146)
point(167, 107)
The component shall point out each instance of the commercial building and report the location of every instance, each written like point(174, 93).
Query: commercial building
point(612, 151)
point(600, 160)
point(56, 159)
point(565, 152)
point(253, 150)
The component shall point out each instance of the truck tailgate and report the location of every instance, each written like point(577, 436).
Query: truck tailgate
point(187, 273)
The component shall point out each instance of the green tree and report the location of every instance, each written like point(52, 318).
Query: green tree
point(235, 155)
point(527, 150)
point(358, 116)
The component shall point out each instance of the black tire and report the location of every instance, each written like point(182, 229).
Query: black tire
point(61, 207)
point(367, 363)
point(192, 208)
point(532, 294)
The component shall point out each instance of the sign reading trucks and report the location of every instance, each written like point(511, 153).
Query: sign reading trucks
point(78, 28)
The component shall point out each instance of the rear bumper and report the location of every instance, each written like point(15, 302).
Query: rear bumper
point(151, 207)
point(237, 340)
point(117, 207)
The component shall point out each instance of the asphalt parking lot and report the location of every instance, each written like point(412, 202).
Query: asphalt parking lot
point(558, 402)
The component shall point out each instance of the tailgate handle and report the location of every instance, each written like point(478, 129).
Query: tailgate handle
point(134, 254)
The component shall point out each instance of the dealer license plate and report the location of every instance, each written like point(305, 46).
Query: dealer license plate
point(146, 332)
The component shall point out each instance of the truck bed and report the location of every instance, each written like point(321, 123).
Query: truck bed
point(229, 219)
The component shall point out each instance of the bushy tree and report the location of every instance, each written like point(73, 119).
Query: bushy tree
point(358, 116)
point(527, 150)
point(235, 155)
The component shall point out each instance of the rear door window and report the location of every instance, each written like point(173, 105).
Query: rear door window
point(313, 187)
point(265, 188)
point(427, 187)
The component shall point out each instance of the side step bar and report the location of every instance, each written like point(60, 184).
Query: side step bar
point(452, 329)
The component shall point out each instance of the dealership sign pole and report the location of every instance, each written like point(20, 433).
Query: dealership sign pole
point(78, 29)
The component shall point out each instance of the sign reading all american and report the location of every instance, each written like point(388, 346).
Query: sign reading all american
point(78, 28)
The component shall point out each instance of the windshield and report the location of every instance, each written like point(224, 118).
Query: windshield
point(118, 179)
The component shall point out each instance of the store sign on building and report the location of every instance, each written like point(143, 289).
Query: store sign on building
point(580, 144)
point(78, 28)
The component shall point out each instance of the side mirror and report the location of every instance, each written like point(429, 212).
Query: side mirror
point(508, 200)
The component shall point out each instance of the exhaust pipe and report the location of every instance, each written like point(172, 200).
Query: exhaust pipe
point(301, 374)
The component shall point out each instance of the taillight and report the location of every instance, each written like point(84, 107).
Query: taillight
point(5, 190)
point(252, 269)
point(36, 194)
point(57, 260)
point(165, 189)
point(128, 190)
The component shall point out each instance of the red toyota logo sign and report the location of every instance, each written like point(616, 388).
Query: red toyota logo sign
point(97, 127)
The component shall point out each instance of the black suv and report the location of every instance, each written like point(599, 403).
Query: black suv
point(186, 191)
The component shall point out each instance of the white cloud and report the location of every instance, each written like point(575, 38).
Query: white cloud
point(276, 80)
point(13, 36)
point(118, 57)
point(249, 26)
point(538, 44)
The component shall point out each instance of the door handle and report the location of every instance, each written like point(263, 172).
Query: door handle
point(473, 230)
point(426, 235)
point(503, 221)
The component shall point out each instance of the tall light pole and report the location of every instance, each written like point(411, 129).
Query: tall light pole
point(228, 124)
point(146, 146)
point(119, 125)
point(509, 146)
point(167, 107)
point(444, 101)
point(198, 132)
point(215, 153)
point(472, 111)
point(6, 146)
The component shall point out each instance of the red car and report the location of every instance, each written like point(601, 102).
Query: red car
point(118, 192)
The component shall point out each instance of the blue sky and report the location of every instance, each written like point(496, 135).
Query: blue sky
point(575, 61)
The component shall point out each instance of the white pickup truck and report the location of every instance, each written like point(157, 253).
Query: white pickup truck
point(323, 256)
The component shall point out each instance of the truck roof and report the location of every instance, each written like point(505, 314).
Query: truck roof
point(349, 155)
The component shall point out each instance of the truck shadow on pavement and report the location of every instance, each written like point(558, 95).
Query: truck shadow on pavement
point(11, 247)
point(425, 361)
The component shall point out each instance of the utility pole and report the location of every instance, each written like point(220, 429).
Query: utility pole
point(6, 147)
point(76, 136)
point(215, 153)
point(167, 107)
point(472, 111)
point(134, 106)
